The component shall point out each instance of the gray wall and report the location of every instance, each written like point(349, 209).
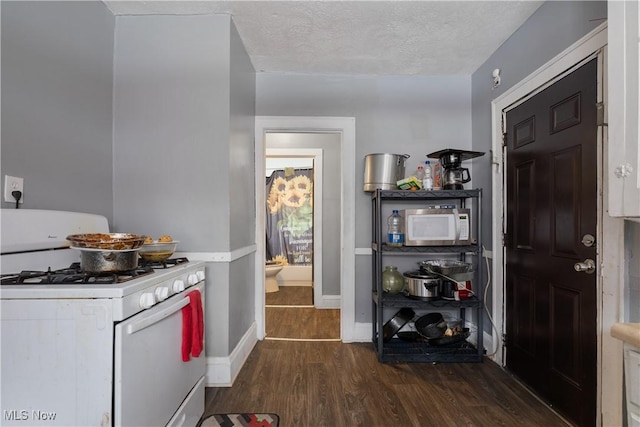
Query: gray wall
point(184, 151)
point(56, 103)
point(242, 191)
point(394, 114)
point(241, 145)
point(330, 145)
point(551, 29)
point(171, 128)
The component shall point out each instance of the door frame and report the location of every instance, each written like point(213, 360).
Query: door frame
point(610, 256)
point(318, 165)
point(346, 127)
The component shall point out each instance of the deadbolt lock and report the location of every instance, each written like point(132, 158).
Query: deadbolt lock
point(588, 240)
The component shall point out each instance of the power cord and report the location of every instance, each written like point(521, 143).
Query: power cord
point(17, 195)
point(486, 289)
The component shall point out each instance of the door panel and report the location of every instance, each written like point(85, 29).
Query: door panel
point(525, 220)
point(551, 203)
point(565, 201)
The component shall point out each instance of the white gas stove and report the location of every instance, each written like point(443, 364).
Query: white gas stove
point(82, 349)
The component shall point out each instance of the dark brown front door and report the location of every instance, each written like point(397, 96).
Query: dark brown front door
point(551, 205)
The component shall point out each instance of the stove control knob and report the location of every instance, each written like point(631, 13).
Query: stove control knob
point(162, 293)
point(178, 286)
point(200, 274)
point(192, 279)
point(147, 300)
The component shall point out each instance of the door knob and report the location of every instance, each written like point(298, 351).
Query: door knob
point(588, 266)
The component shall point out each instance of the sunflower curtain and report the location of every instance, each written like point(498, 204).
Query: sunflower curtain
point(289, 225)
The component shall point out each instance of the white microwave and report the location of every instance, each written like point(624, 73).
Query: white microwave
point(436, 227)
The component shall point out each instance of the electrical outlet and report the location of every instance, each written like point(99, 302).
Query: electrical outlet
point(11, 184)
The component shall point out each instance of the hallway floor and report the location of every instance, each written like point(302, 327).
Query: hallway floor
point(289, 314)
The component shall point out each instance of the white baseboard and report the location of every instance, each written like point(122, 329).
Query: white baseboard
point(297, 283)
point(222, 371)
point(329, 301)
point(362, 332)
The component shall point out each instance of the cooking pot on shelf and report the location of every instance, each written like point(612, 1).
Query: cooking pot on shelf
point(383, 170)
point(420, 285)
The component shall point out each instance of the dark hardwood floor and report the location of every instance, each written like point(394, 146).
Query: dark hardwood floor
point(320, 383)
point(334, 384)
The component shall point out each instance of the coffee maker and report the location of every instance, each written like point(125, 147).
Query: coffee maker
point(453, 175)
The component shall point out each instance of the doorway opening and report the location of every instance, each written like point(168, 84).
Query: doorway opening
point(342, 131)
point(302, 234)
point(293, 221)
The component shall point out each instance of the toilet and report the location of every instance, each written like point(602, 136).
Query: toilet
point(271, 269)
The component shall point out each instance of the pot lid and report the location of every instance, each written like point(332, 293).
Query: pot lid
point(464, 154)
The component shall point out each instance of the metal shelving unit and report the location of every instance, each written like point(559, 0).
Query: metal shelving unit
point(397, 350)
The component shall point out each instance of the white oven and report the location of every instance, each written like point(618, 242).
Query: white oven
point(148, 370)
point(85, 353)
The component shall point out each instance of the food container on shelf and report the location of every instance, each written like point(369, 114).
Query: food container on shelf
point(445, 266)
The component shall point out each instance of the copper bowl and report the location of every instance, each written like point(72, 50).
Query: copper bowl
point(106, 241)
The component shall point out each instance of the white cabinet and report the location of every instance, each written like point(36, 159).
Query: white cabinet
point(632, 384)
point(623, 69)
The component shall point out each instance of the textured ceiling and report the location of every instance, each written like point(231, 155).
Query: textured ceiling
point(360, 37)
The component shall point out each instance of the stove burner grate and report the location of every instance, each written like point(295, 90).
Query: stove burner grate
point(72, 275)
point(167, 263)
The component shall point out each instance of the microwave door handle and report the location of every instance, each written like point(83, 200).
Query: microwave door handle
point(456, 218)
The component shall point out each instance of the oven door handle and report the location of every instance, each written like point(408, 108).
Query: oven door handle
point(155, 318)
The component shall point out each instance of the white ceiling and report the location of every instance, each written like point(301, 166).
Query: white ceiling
point(360, 37)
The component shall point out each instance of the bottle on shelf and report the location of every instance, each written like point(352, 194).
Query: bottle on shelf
point(436, 173)
point(395, 235)
point(420, 173)
point(427, 181)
